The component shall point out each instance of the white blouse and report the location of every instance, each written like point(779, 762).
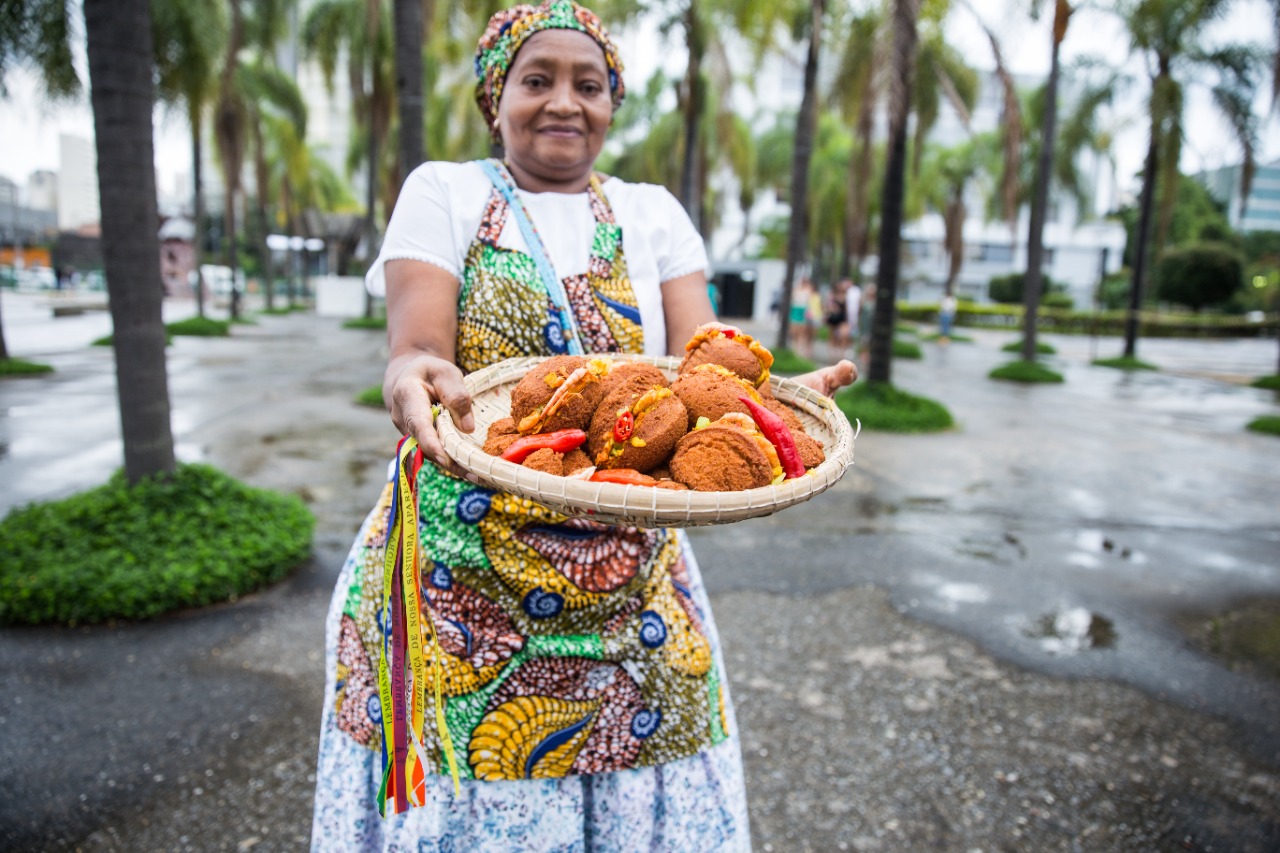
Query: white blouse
point(439, 211)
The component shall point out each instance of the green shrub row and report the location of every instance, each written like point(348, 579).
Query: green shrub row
point(1151, 325)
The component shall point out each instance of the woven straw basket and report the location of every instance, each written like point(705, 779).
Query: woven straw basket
point(641, 506)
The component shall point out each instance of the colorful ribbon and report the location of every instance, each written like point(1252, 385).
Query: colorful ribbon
point(402, 667)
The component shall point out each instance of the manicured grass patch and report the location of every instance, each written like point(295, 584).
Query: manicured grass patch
point(371, 396)
point(365, 323)
point(788, 363)
point(1025, 371)
point(954, 338)
point(200, 327)
point(905, 329)
point(115, 552)
point(1271, 383)
point(196, 327)
point(1269, 424)
point(906, 349)
point(109, 340)
point(22, 367)
point(881, 406)
point(1125, 363)
point(1041, 348)
point(283, 310)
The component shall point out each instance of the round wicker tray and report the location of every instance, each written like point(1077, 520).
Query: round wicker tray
point(641, 506)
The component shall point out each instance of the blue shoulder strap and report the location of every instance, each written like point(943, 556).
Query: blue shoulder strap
point(506, 185)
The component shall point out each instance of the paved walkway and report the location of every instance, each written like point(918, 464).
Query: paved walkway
point(975, 641)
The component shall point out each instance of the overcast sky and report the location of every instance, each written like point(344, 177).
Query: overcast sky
point(31, 127)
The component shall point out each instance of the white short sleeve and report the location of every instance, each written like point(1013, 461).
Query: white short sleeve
point(421, 228)
point(680, 250)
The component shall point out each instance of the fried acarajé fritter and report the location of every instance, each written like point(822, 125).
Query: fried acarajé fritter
point(636, 375)
point(559, 393)
point(636, 430)
point(710, 390)
point(501, 433)
point(728, 346)
point(728, 455)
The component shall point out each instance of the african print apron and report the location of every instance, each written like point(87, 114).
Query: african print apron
point(569, 647)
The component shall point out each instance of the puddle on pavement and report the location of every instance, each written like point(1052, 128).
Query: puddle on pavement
point(1072, 630)
point(869, 506)
point(1245, 636)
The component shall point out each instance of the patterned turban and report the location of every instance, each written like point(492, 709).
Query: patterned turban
point(510, 28)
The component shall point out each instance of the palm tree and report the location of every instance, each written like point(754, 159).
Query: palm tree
point(409, 80)
point(1040, 198)
point(806, 126)
point(121, 64)
point(361, 27)
point(121, 67)
point(947, 175)
point(1169, 38)
point(904, 14)
point(268, 91)
point(229, 134)
point(189, 36)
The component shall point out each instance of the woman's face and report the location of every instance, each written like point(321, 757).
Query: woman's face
point(555, 110)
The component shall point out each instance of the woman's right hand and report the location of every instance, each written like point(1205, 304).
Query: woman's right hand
point(414, 384)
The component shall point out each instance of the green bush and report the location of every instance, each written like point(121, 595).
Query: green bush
point(1271, 383)
point(1057, 300)
point(1025, 371)
point(1007, 289)
point(200, 327)
point(1041, 348)
point(372, 396)
point(881, 406)
point(1199, 276)
point(1268, 424)
point(365, 323)
point(906, 349)
point(787, 363)
point(1113, 291)
point(1125, 363)
point(22, 367)
point(115, 552)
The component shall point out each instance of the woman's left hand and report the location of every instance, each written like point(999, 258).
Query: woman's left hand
point(829, 380)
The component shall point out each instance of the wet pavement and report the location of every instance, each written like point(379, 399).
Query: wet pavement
point(972, 641)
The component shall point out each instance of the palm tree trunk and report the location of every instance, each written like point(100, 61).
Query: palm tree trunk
point(692, 115)
point(409, 37)
point(858, 225)
point(370, 222)
point(1040, 199)
point(197, 203)
point(123, 94)
point(806, 126)
point(263, 181)
point(4, 350)
point(1146, 203)
point(905, 13)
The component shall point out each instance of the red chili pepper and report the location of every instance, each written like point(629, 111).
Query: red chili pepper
point(624, 426)
point(625, 476)
point(561, 441)
point(779, 434)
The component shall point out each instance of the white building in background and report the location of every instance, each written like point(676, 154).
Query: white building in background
point(1261, 210)
point(42, 190)
point(77, 184)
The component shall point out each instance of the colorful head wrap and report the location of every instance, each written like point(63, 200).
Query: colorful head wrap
point(510, 28)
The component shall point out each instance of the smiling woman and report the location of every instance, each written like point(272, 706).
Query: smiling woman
point(582, 701)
